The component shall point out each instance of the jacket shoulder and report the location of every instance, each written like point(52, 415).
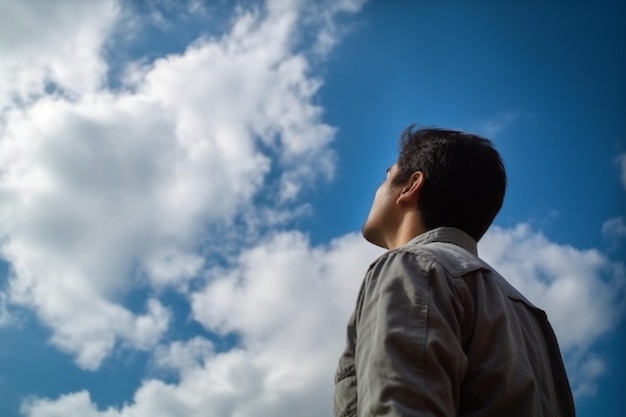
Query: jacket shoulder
point(456, 260)
point(459, 263)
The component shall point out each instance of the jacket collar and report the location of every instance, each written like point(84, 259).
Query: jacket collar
point(448, 235)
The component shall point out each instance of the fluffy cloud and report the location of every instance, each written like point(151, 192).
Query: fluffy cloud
point(561, 279)
point(614, 230)
point(566, 282)
point(490, 128)
point(42, 41)
point(104, 190)
point(289, 302)
point(6, 318)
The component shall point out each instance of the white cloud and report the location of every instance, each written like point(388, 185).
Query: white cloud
point(490, 128)
point(567, 283)
point(614, 230)
point(78, 404)
point(105, 191)
point(183, 357)
point(561, 279)
point(331, 32)
point(289, 303)
point(284, 270)
point(42, 42)
point(170, 266)
point(493, 126)
point(587, 369)
point(7, 318)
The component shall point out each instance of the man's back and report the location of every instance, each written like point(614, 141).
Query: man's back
point(436, 331)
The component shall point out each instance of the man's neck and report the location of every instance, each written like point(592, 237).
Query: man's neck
point(410, 227)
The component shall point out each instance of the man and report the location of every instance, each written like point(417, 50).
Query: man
point(436, 331)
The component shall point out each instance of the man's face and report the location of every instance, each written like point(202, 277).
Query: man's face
point(384, 216)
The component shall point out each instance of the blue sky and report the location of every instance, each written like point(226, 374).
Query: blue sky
point(182, 187)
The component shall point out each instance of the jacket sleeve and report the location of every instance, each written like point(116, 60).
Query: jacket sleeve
point(409, 353)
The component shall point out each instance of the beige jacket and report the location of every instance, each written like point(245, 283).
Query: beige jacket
point(437, 332)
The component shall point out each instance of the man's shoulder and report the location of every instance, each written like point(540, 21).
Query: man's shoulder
point(454, 259)
point(457, 262)
point(421, 258)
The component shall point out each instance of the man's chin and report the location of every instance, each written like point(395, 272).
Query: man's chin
point(372, 237)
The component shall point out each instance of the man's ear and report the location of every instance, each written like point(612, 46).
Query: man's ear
point(410, 191)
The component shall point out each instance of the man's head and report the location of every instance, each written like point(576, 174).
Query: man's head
point(448, 178)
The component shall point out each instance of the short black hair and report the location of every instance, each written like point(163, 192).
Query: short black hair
point(465, 179)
